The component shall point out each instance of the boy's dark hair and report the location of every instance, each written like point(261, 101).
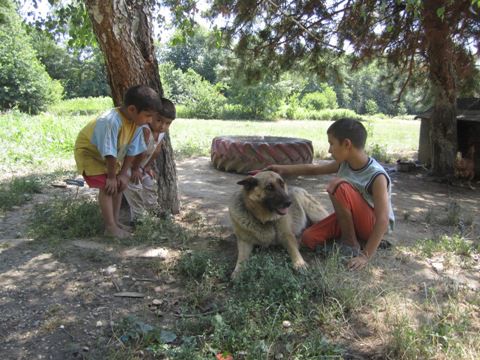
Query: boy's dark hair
point(143, 97)
point(351, 129)
point(168, 109)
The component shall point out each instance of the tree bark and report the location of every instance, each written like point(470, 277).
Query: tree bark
point(123, 31)
point(440, 53)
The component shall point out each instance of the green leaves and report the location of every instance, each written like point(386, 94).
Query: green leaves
point(25, 83)
point(441, 12)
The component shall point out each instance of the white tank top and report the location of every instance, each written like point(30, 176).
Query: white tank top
point(151, 145)
point(362, 180)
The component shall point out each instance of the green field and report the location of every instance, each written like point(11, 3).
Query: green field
point(45, 142)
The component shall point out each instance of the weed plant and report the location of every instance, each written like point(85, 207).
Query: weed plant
point(379, 153)
point(196, 265)
point(453, 217)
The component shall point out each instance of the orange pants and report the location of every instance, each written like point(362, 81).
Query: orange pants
point(328, 228)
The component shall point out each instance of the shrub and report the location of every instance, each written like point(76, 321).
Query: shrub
point(293, 106)
point(25, 83)
point(259, 101)
point(234, 112)
point(318, 100)
point(200, 98)
point(301, 113)
point(379, 152)
point(371, 107)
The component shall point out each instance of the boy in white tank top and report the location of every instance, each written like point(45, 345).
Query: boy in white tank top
point(360, 194)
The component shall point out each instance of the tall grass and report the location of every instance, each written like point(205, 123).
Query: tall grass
point(81, 106)
point(34, 142)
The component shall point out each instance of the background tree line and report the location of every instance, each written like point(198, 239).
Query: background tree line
point(199, 76)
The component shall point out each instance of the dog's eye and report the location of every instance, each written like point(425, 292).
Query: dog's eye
point(269, 187)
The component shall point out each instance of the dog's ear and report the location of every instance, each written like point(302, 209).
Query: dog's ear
point(248, 183)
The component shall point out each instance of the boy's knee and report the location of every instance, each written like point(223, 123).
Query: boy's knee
point(309, 239)
point(336, 184)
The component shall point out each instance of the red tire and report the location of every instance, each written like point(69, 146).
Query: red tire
point(242, 154)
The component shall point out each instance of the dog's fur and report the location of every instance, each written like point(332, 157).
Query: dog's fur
point(264, 212)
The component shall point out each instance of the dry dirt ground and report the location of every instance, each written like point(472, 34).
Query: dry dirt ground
point(60, 304)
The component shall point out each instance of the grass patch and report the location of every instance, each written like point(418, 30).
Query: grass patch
point(453, 244)
point(66, 218)
point(154, 230)
point(444, 332)
point(18, 191)
point(269, 310)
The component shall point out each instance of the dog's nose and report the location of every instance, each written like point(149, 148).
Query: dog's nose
point(287, 203)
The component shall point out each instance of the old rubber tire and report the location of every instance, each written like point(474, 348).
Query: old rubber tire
point(242, 154)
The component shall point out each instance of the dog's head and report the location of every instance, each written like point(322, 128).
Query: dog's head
point(266, 193)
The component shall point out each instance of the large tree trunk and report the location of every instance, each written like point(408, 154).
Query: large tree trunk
point(122, 28)
point(443, 126)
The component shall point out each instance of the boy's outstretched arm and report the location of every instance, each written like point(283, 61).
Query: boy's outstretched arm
point(305, 169)
point(381, 210)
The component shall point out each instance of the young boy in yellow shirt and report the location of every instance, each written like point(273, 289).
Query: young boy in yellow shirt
point(105, 149)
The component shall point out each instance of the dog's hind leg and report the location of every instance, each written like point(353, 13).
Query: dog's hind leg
point(312, 207)
point(244, 251)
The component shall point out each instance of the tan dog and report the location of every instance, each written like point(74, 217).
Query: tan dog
point(265, 213)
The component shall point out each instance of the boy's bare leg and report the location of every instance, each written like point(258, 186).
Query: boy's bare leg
point(345, 221)
point(106, 203)
point(117, 204)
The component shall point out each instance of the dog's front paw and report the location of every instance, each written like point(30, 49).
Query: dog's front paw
point(234, 275)
point(300, 265)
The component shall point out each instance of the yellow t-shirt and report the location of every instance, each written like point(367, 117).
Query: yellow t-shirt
point(110, 134)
